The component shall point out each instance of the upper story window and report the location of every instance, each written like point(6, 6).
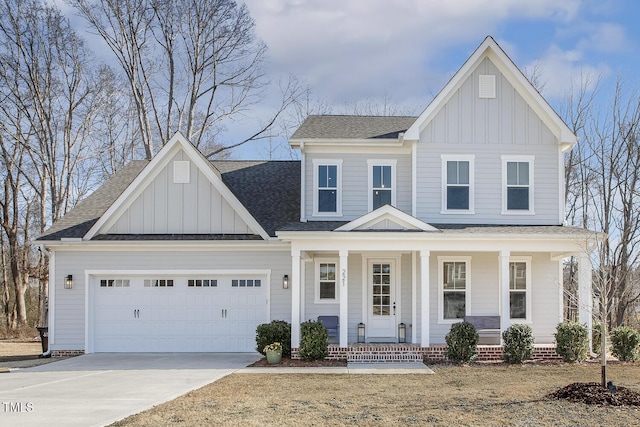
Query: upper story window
point(457, 184)
point(382, 177)
point(520, 288)
point(517, 178)
point(327, 195)
point(454, 295)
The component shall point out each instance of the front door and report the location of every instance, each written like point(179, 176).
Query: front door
point(382, 299)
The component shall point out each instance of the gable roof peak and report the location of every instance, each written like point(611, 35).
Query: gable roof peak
point(490, 48)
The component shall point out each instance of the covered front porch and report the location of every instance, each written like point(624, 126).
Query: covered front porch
point(407, 287)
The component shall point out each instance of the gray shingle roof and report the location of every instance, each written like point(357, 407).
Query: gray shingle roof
point(352, 127)
point(81, 218)
point(454, 228)
point(269, 190)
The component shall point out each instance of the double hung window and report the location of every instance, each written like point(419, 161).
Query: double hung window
point(457, 184)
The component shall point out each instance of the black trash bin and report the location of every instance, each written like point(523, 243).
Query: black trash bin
point(44, 337)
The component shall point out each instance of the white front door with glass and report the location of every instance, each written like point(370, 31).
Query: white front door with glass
point(382, 300)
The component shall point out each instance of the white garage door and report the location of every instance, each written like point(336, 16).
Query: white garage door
point(178, 314)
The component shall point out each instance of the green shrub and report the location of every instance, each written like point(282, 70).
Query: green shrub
point(314, 341)
point(462, 342)
point(625, 343)
point(276, 331)
point(518, 343)
point(572, 341)
point(596, 337)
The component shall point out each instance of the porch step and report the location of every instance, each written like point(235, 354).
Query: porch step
point(384, 353)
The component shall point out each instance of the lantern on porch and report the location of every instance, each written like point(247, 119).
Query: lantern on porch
point(360, 332)
point(402, 333)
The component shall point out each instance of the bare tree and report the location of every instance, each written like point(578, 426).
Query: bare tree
point(377, 107)
point(615, 197)
point(190, 66)
point(47, 105)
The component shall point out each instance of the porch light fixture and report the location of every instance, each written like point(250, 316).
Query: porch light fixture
point(68, 282)
point(285, 281)
point(402, 333)
point(361, 332)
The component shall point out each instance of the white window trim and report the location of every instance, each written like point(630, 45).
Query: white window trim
point(327, 162)
point(505, 160)
point(527, 261)
point(458, 158)
point(467, 305)
point(375, 162)
point(316, 279)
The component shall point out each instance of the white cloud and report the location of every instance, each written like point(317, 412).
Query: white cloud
point(605, 37)
point(560, 70)
point(353, 49)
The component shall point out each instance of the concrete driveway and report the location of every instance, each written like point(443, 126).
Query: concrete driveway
point(98, 389)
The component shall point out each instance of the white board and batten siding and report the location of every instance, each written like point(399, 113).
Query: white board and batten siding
point(169, 207)
point(487, 128)
point(177, 318)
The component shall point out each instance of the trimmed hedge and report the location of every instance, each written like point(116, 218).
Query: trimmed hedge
point(518, 343)
point(596, 337)
point(462, 342)
point(276, 331)
point(625, 343)
point(314, 341)
point(572, 341)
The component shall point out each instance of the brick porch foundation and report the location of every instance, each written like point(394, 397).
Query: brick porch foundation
point(413, 352)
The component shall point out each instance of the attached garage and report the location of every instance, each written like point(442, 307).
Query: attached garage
point(164, 312)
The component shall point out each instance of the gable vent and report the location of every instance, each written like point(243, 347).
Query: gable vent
point(181, 172)
point(487, 85)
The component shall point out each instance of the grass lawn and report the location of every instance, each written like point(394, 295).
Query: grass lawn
point(482, 395)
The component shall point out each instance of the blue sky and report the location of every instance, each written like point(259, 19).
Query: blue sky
point(404, 51)
point(347, 51)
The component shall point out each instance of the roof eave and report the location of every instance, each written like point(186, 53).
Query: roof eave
point(364, 142)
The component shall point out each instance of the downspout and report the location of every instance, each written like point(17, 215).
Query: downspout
point(45, 251)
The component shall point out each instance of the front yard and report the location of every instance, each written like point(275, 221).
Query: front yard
point(484, 395)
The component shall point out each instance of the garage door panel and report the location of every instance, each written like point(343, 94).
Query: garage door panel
point(181, 318)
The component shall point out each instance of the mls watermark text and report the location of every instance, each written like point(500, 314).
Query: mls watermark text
point(17, 407)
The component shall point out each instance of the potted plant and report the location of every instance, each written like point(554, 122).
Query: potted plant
point(273, 352)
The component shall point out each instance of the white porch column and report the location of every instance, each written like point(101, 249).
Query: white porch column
point(424, 298)
point(344, 293)
point(295, 298)
point(414, 296)
point(585, 299)
point(505, 312)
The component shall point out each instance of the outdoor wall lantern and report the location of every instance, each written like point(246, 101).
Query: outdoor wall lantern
point(402, 333)
point(360, 332)
point(285, 281)
point(68, 282)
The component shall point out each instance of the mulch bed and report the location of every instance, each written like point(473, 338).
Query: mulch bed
point(288, 362)
point(595, 394)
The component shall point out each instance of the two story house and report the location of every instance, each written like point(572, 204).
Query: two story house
point(397, 226)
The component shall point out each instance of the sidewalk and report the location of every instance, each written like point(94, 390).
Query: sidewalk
point(351, 368)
